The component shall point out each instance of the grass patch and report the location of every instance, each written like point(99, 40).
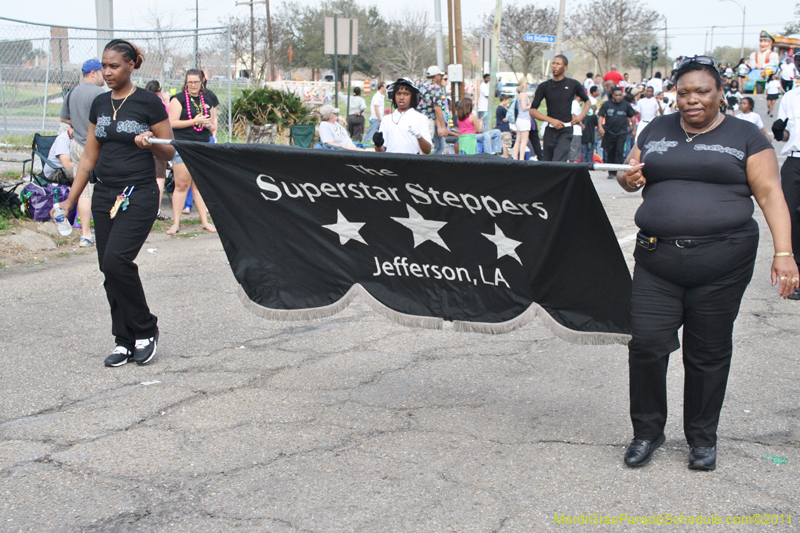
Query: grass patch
point(63, 254)
point(10, 175)
point(5, 223)
point(161, 226)
point(18, 141)
point(2, 265)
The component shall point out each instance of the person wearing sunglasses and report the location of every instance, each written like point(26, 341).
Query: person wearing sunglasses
point(695, 255)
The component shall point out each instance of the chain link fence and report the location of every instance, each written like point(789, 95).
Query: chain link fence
point(39, 64)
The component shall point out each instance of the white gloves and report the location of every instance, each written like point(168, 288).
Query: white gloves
point(412, 129)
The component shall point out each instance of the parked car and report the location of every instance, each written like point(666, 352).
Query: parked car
point(509, 88)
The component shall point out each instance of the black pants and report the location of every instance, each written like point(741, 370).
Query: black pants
point(787, 84)
point(557, 143)
point(790, 180)
point(119, 241)
point(355, 127)
point(614, 149)
point(700, 289)
point(534, 142)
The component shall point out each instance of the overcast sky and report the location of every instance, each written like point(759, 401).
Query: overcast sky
point(687, 20)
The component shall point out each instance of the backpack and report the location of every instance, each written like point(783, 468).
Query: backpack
point(38, 201)
point(511, 114)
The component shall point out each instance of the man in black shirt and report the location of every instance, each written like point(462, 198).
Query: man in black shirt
point(559, 92)
point(614, 128)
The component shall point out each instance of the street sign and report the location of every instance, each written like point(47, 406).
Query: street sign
point(539, 38)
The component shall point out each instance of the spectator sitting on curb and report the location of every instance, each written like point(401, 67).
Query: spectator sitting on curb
point(333, 133)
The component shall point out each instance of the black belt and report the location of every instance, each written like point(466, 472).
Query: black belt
point(689, 243)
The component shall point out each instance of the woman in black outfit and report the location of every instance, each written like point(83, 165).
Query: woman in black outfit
point(120, 121)
point(695, 255)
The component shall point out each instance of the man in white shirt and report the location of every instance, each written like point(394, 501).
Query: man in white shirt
point(59, 155)
point(333, 133)
point(588, 83)
point(377, 107)
point(647, 108)
point(406, 130)
point(787, 129)
point(483, 99)
point(656, 84)
point(788, 73)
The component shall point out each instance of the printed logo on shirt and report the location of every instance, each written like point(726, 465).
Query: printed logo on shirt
point(738, 154)
point(100, 128)
point(131, 126)
point(660, 147)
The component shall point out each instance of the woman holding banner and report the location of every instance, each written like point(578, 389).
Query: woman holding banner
point(125, 200)
point(695, 255)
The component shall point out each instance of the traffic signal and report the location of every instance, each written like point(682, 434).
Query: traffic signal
point(654, 52)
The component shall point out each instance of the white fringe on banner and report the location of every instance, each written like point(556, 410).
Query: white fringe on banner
point(411, 321)
point(535, 310)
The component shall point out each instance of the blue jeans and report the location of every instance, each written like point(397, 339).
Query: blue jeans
point(374, 124)
point(587, 152)
point(492, 141)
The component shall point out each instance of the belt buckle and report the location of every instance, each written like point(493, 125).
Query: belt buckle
point(678, 243)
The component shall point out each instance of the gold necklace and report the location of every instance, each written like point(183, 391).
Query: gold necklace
point(690, 139)
point(120, 105)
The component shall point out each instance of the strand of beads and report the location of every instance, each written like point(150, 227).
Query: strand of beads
point(189, 109)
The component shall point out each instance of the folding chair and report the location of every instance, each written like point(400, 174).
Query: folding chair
point(9, 198)
point(41, 149)
point(302, 136)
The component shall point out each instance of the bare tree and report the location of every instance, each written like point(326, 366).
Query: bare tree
point(610, 30)
point(516, 22)
point(411, 46)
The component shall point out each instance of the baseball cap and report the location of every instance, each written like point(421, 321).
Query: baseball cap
point(327, 110)
point(433, 70)
point(91, 65)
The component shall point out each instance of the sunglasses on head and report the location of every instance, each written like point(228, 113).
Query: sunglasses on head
point(703, 60)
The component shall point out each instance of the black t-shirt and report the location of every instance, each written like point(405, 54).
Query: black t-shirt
point(559, 96)
point(121, 162)
point(590, 123)
point(616, 116)
point(698, 188)
point(500, 114)
point(189, 133)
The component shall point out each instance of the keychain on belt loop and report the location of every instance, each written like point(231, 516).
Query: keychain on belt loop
point(121, 201)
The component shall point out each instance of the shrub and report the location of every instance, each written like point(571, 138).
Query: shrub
point(263, 106)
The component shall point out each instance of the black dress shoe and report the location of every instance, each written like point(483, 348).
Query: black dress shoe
point(641, 451)
point(703, 458)
point(795, 295)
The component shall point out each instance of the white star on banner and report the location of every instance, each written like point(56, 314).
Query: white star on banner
point(347, 230)
point(424, 230)
point(505, 246)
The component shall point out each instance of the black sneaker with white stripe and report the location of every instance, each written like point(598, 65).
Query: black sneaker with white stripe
point(145, 349)
point(119, 357)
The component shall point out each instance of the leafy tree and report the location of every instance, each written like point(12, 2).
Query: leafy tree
point(304, 27)
point(793, 26)
point(610, 30)
point(411, 47)
point(516, 21)
point(16, 52)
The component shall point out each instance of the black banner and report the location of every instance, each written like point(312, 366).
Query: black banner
point(484, 242)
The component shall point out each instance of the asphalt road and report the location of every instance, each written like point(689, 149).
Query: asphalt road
point(353, 423)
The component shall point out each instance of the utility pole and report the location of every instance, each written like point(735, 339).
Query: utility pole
point(251, 3)
point(667, 70)
point(498, 15)
point(459, 43)
point(437, 27)
point(560, 27)
point(269, 44)
point(451, 51)
point(196, 29)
